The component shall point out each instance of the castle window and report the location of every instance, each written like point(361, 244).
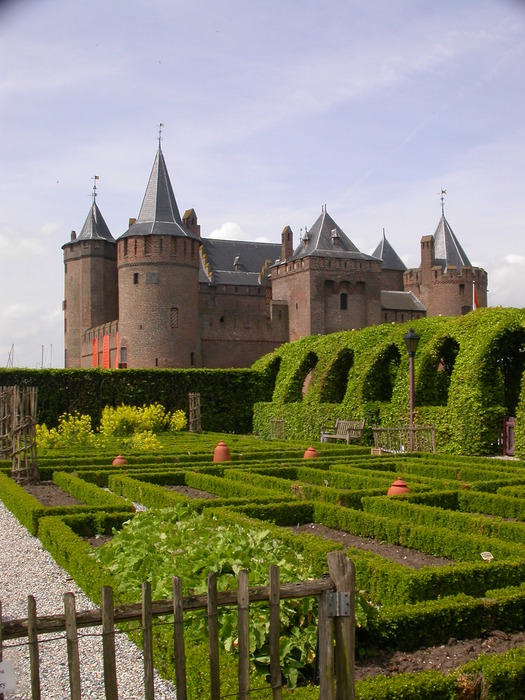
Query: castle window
point(160, 246)
point(343, 301)
point(173, 251)
point(192, 359)
point(135, 247)
point(125, 246)
point(147, 246)
point(156, 362)
point(135, 278)
point(123, 355)
point(221, 319)
point(174, 317)
point(462, 290)
point(152, 277)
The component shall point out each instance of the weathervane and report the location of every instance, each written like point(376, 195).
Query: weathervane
point(95, 178)
point(443, 193)
point(160, 133)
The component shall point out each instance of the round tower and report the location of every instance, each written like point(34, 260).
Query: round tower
point(158, 280)
point(90, 282)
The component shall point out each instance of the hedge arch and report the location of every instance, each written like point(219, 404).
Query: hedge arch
point(379, 381)
point(485, 383)
point(301, 379)
point(468, 373)
point(436, 365)
point(335, 380)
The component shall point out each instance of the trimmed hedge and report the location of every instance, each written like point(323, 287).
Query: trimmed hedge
point(468, 373)
point(227, 395)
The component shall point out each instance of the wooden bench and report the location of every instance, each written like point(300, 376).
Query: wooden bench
point(346, 430)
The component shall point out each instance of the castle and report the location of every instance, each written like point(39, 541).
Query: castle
point(161, 295)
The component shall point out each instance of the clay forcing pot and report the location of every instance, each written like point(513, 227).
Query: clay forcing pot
point(397, 488)
point(119, 460)
point(221, 453)
point(310, 453)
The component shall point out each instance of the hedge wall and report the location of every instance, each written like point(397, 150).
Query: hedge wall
point(227, 396)
point(468, 376)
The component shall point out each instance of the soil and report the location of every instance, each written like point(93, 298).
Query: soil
point(49, 494)
point(190, 492)
point(441, 658)
point(401, 555)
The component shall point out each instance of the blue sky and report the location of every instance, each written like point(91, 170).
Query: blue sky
point(271, 109)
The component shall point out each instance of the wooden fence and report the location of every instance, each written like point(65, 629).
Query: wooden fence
point(421, 438)
point(336, 621)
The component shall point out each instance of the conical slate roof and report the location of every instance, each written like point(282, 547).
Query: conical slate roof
point(95, 227)
point(327, 239)
point(159, 213)
point(447, 249)
point(388, 256)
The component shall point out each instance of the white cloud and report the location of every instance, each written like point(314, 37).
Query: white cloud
point(229, 231)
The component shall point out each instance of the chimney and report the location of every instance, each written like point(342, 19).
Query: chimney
point(286, 243)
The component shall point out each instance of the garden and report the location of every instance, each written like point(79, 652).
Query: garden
point(440, 570)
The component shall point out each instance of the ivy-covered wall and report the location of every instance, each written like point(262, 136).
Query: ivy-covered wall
point(468, 377)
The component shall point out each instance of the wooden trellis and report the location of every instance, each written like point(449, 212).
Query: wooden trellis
point(24, 465)
point(6, 404)
point(194, 419)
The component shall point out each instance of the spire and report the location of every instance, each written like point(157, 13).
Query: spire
point(447, 249)
point(95, 228)
point(159, 213)
point(388, 256)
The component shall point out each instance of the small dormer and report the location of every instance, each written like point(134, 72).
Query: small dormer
point(336, 238)
point(237, 266)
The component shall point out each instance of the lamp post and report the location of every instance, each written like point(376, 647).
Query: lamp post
point(411, 340)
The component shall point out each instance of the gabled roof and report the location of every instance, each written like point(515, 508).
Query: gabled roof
point(159, 213)
point(236, 262)
point(327, 239)
point(447, 249)
point(388, 256)
point(95, 228)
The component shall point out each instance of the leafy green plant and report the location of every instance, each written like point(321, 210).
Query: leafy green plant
point(157, 544)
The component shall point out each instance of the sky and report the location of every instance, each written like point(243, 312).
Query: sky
point(271, 109)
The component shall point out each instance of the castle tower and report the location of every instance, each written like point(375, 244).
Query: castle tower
point(392, 267)
point(446, 281)
point(90, 282)
point(158, 269)
point(327, 283)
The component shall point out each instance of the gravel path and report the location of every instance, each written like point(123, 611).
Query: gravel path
point(27, 569)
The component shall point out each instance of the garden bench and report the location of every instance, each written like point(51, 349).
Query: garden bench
point(346, 430)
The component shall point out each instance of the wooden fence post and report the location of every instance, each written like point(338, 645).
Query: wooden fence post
point(342, 573)
point(243, 635)
point(108, 643)
point(275, 662)
point(325, 649)
point(213, 638)
point(147, 641)
point(73, 660)
point(32, 638)
point(179, 653)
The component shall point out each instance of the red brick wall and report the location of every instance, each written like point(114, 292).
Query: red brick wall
point(158, 301)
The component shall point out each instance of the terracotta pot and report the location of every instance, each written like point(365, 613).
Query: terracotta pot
point(221, 453)
point(398, 487)
point(310, 453)
point(119, 460)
